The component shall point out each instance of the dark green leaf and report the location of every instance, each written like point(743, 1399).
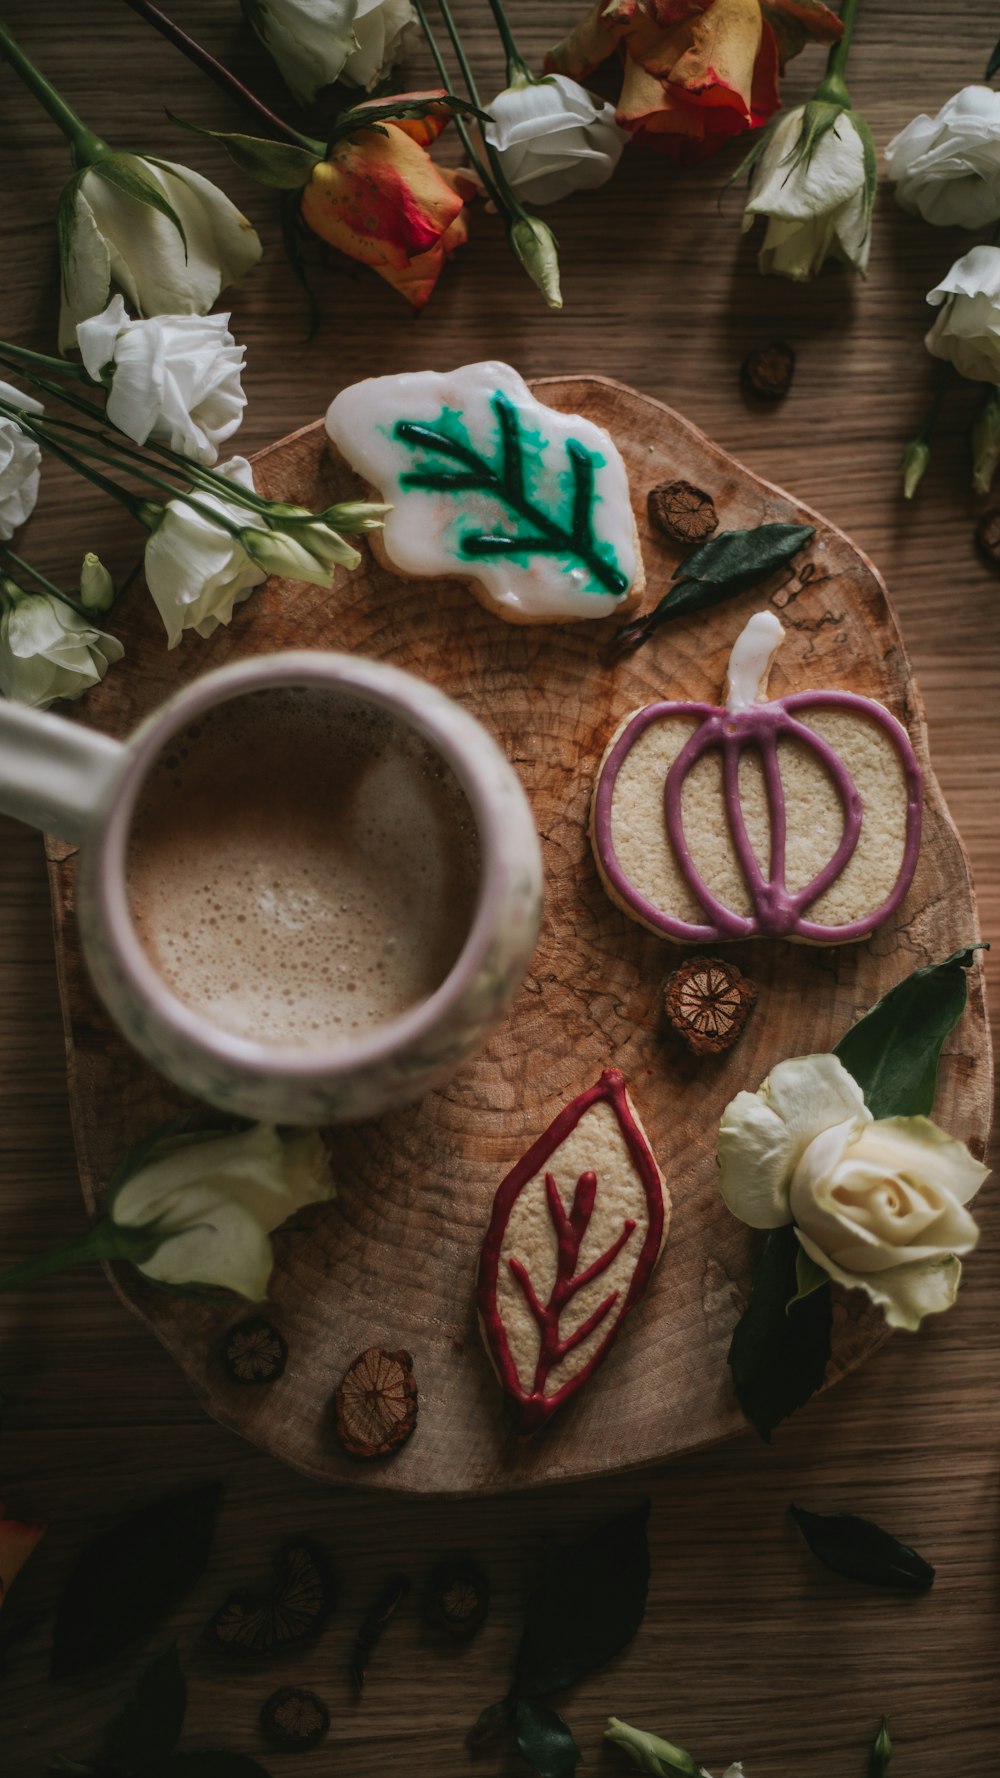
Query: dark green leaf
point(544, 1740)
point(780, 1347)
point(123, 173)
point(374, 112)
point(212, 1764)
point(67, 213)
point(588, 1604)
point(292, 238)
point(893, 1052)
point(726, 565)
point(150, 1724)
point(863, 1551)
point(881, 1754)
point(993, 65)
point(273, 163)
point(127, 1581)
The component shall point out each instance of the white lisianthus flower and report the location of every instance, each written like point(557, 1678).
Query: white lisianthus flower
point(947, 168)
point(112, 233)
point(47, 650)
point(173, 378)
point(315, 42)
point(967, 330)
point(814, 184)
point(308, 550)
point(553, 138)
point(212, 1204)
point(20, 464)
point(879, 1206)
point(197, 571)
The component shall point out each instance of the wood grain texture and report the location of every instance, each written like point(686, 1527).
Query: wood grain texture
point(392, 1262)
point(747, 1647)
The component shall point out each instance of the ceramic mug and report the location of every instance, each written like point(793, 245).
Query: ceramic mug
point(83, 786)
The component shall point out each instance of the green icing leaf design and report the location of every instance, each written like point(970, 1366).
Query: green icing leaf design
point(511, 476)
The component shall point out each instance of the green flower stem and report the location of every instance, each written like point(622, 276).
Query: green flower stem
point(26, 423)
point(39, 360)
point(509, 203)
point(87, 147)
point(465, 136)
point(834, 86)
point(8, 555)
point(518, 72)
point(104, 1241)
point(215, 70)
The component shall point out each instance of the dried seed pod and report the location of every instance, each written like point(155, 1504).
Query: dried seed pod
point(252, 1626)
point(293, 1720)
point(767, 371)
point(376, 1403)
point(988, 536)
point(708, 1002)
point(683, 512)
point(372, 1626)
point(457, 1597)
point(254, 1351)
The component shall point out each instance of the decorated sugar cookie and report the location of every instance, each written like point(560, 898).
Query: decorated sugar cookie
point(576, 1229)
point(487, 484)
point(797, 817)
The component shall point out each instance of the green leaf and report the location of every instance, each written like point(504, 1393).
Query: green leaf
point(150, 1724)
point(215, 1763)
point(281, 164)
point(544, 1740)
point(881, 1753)
point(893, 1052)
point(126, 1582)
point(726, 565)
point(122, 172)
point(808, 1277)
point(588, 1605)
point(389, 110)
point(780, 1346)
point(862, 1551)
point(993, 65)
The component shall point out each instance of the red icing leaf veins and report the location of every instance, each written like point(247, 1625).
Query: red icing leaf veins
point(532, 1409)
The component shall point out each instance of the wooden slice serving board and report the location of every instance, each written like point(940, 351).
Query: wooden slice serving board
point(392, 1261)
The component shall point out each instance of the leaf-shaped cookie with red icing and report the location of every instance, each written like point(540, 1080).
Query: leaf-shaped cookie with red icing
point(577, 1227)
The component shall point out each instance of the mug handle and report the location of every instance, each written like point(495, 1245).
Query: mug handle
point(53, 773)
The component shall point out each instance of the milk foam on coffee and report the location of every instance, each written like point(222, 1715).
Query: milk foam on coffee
point(302, 867)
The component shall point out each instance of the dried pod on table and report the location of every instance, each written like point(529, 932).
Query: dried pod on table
point(253, 1626)
point(376, 1403)
point(372, 1628)
point(457, 1598)
point(254, 1351)
point(684, 513)
point(707, 1003)
point(767, 371)
point(294, 1720)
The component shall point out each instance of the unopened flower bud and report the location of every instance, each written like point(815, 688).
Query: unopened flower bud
point(535, 246)
point(986, 443)
point(97, 588)
point(916, 457)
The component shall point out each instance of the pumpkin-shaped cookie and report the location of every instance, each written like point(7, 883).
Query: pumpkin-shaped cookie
point(795, 817)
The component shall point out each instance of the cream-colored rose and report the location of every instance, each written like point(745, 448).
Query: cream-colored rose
point(879, 1206)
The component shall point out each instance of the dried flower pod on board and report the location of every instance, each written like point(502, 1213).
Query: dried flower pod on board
point(376, 1403)
point(767, 371)
point(457, 1598)
point(251, 1626)
point(254, 1351)
point(294, 1720)
point(707, 1003)
point(684, 513)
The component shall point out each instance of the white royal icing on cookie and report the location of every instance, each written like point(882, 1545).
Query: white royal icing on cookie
point(750, 662)
point(506, 468)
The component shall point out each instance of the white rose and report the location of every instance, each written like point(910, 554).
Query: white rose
point(197, 571)
point(47, 650)
point(879, 1206)
point(947, 168)
point(316, 42)
point(20, 465)
point(967, 331)
point(553, 138)
point(113, 236)
point(817, 204)
point(215, 1202)
point(175, 378)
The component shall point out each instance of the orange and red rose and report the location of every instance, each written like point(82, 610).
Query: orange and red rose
point(695, 72)
point(16, 1544)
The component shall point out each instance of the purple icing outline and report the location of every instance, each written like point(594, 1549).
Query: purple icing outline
point(782, 913)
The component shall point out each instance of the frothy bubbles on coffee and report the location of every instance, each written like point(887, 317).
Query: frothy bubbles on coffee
point(302, 868)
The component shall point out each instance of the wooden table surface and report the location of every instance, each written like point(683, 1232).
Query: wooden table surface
point(748, 1648)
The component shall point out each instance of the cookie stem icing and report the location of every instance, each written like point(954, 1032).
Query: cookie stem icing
point(779, 912)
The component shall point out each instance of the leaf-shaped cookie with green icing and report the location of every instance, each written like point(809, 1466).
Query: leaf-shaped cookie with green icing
point(528, 505)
